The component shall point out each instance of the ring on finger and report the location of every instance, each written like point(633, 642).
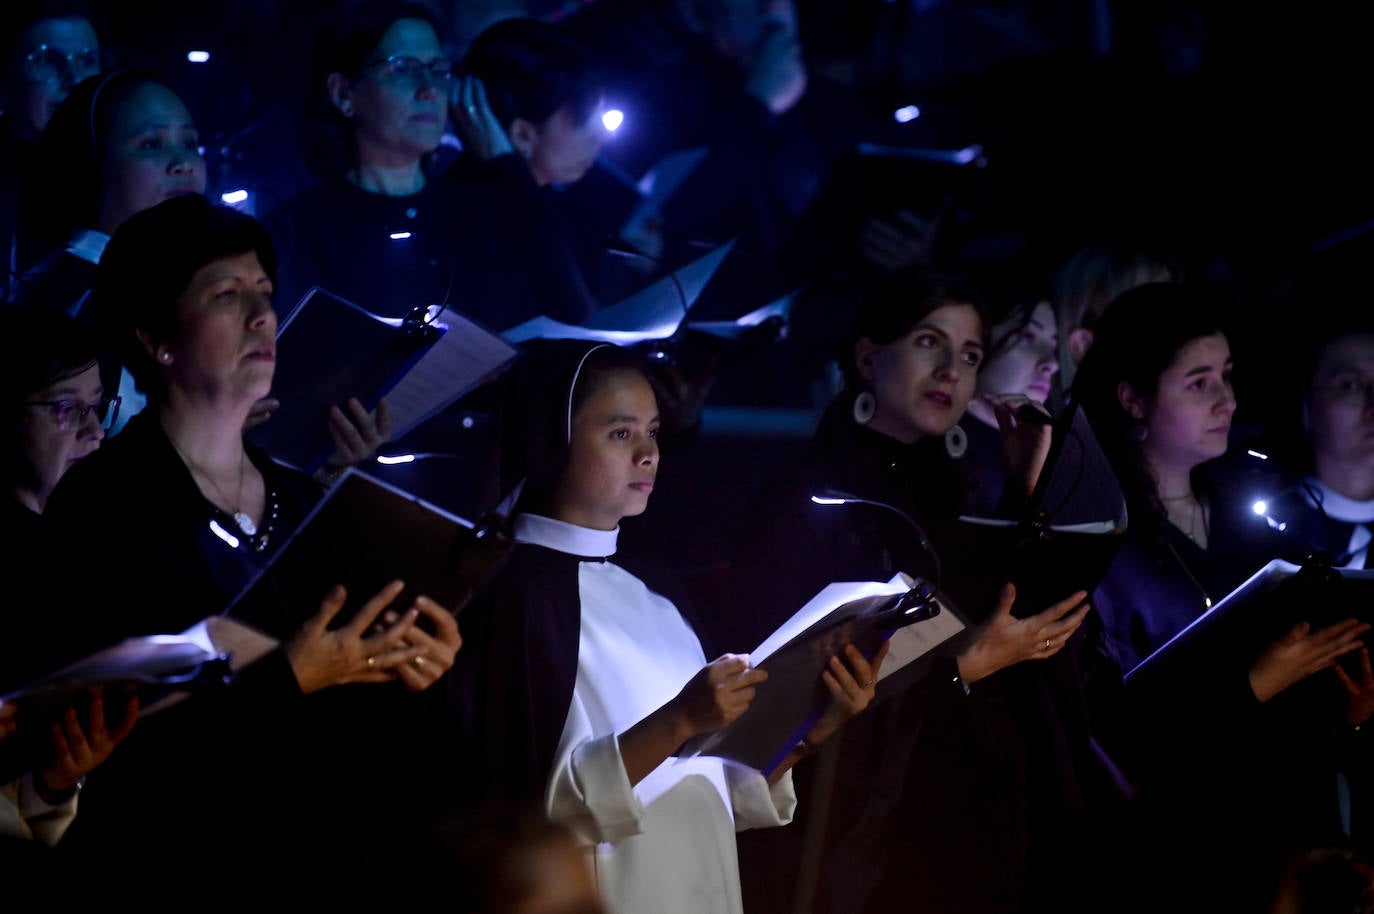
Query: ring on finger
point(418, 663)
point(1048, 642)
point(371, 663)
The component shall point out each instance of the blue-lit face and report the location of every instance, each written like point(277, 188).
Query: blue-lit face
point(152, 153)
point(398, 113)
point(564, 150)
point(54, 55)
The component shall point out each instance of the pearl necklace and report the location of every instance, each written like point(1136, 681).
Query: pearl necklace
point(241, 518)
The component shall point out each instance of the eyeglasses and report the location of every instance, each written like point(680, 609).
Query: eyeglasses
point(402, 68)
point(67, 413)
point(50, 66)
point(1350, 390)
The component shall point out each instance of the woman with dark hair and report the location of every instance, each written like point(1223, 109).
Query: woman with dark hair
point(1238, 752)
point(528, 109)
point(586, 671)
point(54, 46)
point(184, 292)
point(118, 144)
point(56, 414)
point(379, 229)
point(947, 794)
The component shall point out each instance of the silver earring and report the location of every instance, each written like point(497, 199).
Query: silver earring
point(1139, 432)
point(865, 405)
point(164, 357)
point(956, 442)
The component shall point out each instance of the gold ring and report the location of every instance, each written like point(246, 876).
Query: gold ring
point(371, 662)
point(419, 662)
point(870, 684)
point(1047, 644)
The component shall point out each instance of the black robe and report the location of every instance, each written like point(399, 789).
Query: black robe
point(512, 684)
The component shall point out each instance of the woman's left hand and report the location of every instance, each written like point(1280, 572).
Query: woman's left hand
point(1025, 441)
point(852, 682)
point(1361, 705)
point(358, 434)
point(438, 651)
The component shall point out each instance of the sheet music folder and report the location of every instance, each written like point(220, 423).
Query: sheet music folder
point(363, 535)
point(789, 702)
point(1063, 541)
point(328, 350)
point(164, 669)
point(1262, 609)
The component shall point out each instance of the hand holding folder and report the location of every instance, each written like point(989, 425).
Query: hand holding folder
point(785, 707)
point(330, 350)
point(162, 669)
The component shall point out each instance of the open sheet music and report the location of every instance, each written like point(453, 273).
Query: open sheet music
point(788, 703)
point(653, 313)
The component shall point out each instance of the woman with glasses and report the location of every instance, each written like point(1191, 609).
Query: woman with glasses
point(170, 520)
point(55, 47)
point(57, 414)
point(378, 229)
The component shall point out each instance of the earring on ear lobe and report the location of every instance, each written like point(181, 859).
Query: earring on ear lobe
point(865, 405)
point(346, 109)
point(1139, 432)
point(956, 442)
point(164, 357)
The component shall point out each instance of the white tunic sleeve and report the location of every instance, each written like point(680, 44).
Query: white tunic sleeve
point(589, 790)
point(757, 803)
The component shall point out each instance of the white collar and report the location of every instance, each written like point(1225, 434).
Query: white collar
point(88, 244)
point(1340, 507)
point(565, 537)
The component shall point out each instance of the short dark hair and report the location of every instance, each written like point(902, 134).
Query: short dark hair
point(149, 263)
point(893, 305)
point(531, 69)
point(345, 44)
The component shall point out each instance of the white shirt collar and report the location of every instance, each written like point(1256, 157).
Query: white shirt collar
point(565, 537)
point(1339, 507)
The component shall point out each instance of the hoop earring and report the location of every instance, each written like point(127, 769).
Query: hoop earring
point(1139, 432)
point(956, 442)
point(865, 405)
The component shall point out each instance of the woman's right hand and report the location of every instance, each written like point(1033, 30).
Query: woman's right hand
point(321, 658)
point(1302, 652)
point(1004, 640)
point(718, 694)
point(474, 121)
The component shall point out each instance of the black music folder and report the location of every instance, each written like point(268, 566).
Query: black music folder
point(364, 534)
point(1063, 540)
point(1262, 609)
point(328, 350)
point(789, 702)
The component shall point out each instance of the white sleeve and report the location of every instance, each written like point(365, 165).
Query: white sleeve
point(757, 803)
point(41, 821)
point(589, 790)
